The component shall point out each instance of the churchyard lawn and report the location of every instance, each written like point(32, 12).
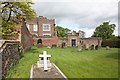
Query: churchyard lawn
point(100, 63)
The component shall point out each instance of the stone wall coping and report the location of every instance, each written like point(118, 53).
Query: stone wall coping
point(92, 38)
point(3, 43)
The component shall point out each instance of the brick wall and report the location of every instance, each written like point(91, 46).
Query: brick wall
point(39, 21)
point(25, 37)
point(91, 41)
point(50, 40)
point(60, 41)
point(88, 42)
point(43, 20)
point(47, 41)
point(9, 50)
point(10, 53)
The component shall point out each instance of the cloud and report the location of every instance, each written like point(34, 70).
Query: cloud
point(79, 14)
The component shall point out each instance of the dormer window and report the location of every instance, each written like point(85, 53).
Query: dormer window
point(46, 27)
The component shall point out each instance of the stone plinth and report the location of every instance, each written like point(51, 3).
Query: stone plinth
point(52, 73)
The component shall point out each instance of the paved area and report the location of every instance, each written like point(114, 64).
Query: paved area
point(51, 73)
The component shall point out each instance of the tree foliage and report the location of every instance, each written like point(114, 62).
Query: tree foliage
point(14, 9)
point(105, 30)
point(11, 12)
point(60, 31)
point(67, 30)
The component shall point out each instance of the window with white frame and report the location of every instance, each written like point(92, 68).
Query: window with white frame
point(46, 27)
point(35, 27)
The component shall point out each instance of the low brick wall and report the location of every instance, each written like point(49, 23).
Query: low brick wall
point(47, 41)
point(10, 53)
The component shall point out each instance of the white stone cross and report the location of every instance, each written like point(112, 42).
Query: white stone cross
point(45, 56)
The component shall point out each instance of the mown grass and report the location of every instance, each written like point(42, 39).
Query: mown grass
point(100, 63)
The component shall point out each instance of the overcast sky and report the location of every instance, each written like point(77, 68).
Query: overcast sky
point(83, 15)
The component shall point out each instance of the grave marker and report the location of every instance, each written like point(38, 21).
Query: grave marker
point(44, 61)
point(41, 69)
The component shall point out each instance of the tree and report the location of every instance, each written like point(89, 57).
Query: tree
point(10, 14)
point(60, 31)
point(105, 30)
point(67, 30)
point(14, 9)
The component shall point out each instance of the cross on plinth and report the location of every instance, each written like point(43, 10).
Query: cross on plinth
point(45, 58)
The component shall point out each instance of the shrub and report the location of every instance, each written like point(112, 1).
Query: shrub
point(111, 43)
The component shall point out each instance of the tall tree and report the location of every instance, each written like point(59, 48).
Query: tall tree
point(60, 31)
point(67, 30)
point(11, 12)
point(105, 30)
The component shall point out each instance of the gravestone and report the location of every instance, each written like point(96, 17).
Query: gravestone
point(79, 48)
point(63, 45)
point(49, 46)
point(107, 47)
point(87, 46)
point(44, 61)
point(39, 45)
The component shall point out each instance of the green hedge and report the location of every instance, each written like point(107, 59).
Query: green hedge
point(111, 43)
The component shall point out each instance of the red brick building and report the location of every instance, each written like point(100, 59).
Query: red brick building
point(43, 29)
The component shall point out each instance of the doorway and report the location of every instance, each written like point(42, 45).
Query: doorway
point(73, 42)
point(39, 41)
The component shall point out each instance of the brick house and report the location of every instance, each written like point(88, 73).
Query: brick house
point(43, 29)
